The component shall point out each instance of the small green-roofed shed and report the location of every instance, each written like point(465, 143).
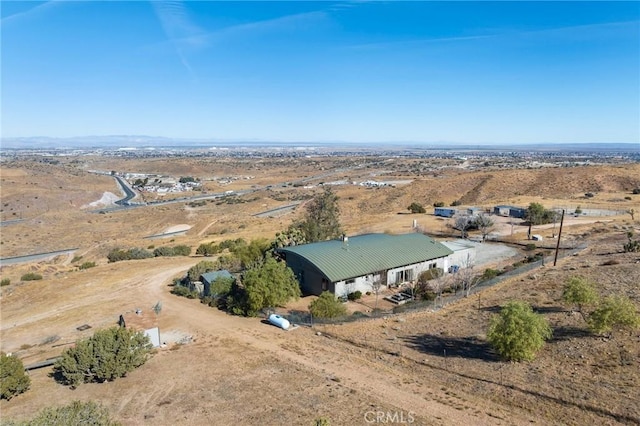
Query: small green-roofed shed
point(366, 254)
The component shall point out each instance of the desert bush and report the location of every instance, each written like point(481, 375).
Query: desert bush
point(530, 247)
point(87, 265)
point(636, 191)
point(490, 273)
point(631, 246)
point(76, 259)
point(578, 210)
point(207, 249)
point(107, 355)
point(180, 290)
point(31, 276)
point(355, 295)
point(579, 291)
point(76, 413)
point(518, 333)
point(430, 274)
point(611, 262)
point(13, 379)
point(614, 311)
point(438, 204)
point(5, 282)
point(117, 255)
point(327, 306)
point(456, 203)
point(627, 198)
point(416, 208)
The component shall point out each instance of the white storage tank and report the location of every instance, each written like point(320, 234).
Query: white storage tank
point(279, 321)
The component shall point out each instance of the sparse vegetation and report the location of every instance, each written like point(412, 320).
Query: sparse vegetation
point(631, 246)
point(13, 379)
point(438, 204)
point(180, 250)
point(31, 276)
point(614, 311)
point(107, 355)
point(580, 292)
point(356, 295)
point(538, 215)
point(416, 208)
point(87, 265)
point(518, 333)
point(5, 282)
point(117, 255)
point(75, 413)
point(327, 306)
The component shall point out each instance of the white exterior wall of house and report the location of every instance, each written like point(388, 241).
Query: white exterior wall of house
point(464, 253)
point(408, 273)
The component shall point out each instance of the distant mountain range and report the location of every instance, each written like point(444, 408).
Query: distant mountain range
point(143, 141)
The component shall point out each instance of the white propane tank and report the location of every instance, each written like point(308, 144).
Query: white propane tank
point(278, 321)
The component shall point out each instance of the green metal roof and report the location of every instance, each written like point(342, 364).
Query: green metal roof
point(369, 253)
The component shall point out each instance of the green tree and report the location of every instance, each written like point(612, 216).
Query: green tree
point(518, 333)
point(416, 208)
point(221, 286)
point(200, 268)
point(632, 246)
point(535, 213)
point(322, 220)
point(107, 355)
point(13, 379)
point(291, 237)
point(579, 291)
point(614, 311)
point(327, 306)
point(76, 413)
point(270, 284)
point(253, 252)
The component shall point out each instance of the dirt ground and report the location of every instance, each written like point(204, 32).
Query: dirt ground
point(434, 368)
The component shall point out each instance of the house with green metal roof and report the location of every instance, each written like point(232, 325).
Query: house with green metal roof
point(360, 262)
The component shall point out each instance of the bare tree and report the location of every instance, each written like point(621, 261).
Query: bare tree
point(466, 277)
point(379, 280)
point(440, 281)
point(632, 212)
point(484, 224)
point(462, 223)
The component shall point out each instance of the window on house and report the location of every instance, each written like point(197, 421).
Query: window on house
point(433, 265)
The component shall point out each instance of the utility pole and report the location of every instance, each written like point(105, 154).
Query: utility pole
point(555, 259)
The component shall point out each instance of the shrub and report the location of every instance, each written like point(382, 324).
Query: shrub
point(627, 198)
point(180, 290)
point(117, 255)
point(518, 333)
point(578, 210)
point(430, 274)
point(31, 276)
point(5, 282)
point(530, 247)
point(614, 310)
point(490, 273)
point(107, 355)
point(327, 306)
point(13, 379)
point(579, 291)
point(76, 259)
point(632, 246)
point(416, 208)
point(355, 295)
point(438, 204)
point(76, 413)
point(636, 191)
point(456, 203)
point(87, 265)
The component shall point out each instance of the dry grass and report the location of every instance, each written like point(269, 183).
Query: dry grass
point(293, 378)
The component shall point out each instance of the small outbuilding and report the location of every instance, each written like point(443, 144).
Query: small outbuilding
point(444, 211)
point(464, 254)
point(209, 277)
point(510, 211)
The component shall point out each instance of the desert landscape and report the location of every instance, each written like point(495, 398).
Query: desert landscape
point(425, 366)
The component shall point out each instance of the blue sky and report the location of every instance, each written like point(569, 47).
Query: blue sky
point(456, 72)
